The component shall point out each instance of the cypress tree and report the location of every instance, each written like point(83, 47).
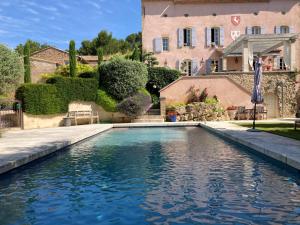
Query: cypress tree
point(100, 56)
point(27, 69)
point(72, 56)
point(136, 54)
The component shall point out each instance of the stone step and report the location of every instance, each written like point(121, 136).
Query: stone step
point(149, 119)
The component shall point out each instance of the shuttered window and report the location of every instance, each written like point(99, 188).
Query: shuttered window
point(256, 30)
point(187, 37)
point(284, 30)
point(215, 36)
point(165, 42)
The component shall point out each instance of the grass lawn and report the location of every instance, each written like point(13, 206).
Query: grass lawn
point(282, 129)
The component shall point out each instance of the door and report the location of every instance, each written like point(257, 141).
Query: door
point(272, 105)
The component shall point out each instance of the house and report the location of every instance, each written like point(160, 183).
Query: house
point(204, 36)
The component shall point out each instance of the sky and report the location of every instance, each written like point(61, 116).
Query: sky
point(56, 22)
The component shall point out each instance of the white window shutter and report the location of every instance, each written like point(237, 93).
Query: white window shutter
point(158, 45)
point(208, 36)
point(277, 30)
point(195, 67)
point(292, 29)
point(194, 37)
point(249, 30)
point(262, 30)
point(208, 66)
point(222, 36)
point(180, 37)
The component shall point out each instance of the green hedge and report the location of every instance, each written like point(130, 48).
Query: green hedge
point(108, 103)
point(122, 78)
point(39, 99)
point(159, 77)
point(74, 89)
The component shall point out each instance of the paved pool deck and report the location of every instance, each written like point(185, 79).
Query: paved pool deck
point(18, 148)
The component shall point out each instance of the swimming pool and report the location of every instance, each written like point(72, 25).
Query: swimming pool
point(151, 176)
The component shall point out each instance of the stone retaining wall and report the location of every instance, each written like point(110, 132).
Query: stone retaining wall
point(272, 83)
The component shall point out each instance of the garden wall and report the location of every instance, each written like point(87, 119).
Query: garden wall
point(51, 121)
point(39, 67)
point(236, 88)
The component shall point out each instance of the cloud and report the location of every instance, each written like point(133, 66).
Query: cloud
point(49, 8)
point(32, 11)
point(96, 5)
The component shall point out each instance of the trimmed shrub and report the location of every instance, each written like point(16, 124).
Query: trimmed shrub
point(159, 77)
point(39, 99)
point(122, 78)
point(74, 89)
point(80, 68)
point(11, 70)
point(108, 103)
point(94, 75)
point(134, 106)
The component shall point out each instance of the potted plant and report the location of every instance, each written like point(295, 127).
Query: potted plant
point(232, 110)
point(172, 114)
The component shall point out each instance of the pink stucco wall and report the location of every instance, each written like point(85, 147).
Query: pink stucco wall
point(201, 16)
point(221, 86)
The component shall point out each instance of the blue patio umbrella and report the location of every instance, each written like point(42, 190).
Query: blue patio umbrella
point(257, 97)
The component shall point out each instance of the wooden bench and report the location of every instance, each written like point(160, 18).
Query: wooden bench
point(77, 115)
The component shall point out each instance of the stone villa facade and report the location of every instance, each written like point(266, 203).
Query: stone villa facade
point(192, 35)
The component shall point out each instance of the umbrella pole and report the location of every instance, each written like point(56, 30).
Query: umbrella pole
point(254, 116)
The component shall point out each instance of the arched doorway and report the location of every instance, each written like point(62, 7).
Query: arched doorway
point(272, 104)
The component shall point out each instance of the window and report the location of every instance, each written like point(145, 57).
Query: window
point(256, 30)
point(215, 35)
point(214, 65)
point(165, 42)
point(186, 67)
point(282, 64)
point(284, 30)
point(187, 37)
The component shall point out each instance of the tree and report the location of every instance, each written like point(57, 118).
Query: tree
point(134, 39)
point(34, 46)
point(11, 70)
point(100, 56)
point(149, 59)
point(72, 56)
point(27, 68)
point(136, 54)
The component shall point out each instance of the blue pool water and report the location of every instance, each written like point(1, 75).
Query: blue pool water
point(151, 176)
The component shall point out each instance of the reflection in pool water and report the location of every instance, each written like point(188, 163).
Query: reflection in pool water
point(151, 176)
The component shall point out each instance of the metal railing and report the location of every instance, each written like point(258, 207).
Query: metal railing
point(11, 114)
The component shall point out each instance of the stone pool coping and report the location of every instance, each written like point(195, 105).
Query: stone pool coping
point(18, 148)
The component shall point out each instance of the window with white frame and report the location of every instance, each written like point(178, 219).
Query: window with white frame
point(282, 64)
point(187, 37)
point(215, 35)
point(256, 30)
point(214, 65)
point(186, 67)
point(165, 42)
point(284, 30)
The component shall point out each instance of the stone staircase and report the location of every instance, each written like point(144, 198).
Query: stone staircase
point(152, 116)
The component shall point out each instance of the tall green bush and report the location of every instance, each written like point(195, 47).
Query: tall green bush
point(100, 56)
point(159, 77)
point(122, 78)
point(11, 70)
point(136, 55)
point(72, 55)
point(39, 99)
point(74, 89)
point(27, 68)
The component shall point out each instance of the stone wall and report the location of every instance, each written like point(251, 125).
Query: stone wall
point(272, 84)
point(52, 54)
point(39, 67)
